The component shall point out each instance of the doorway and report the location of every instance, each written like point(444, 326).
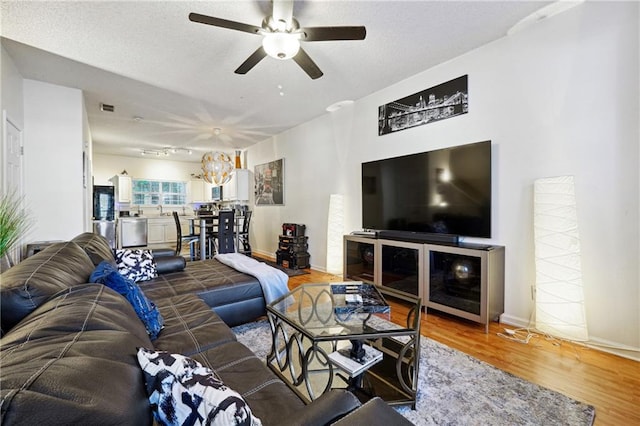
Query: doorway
point(12, 170)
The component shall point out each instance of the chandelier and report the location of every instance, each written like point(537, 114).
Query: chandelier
point(217, 167)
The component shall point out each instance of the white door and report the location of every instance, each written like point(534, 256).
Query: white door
point(12, 168)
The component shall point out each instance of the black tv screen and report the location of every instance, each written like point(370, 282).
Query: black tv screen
point(446, 191)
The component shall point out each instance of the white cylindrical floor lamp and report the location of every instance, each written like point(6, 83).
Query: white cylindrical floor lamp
point(335, 233)
point(560, 309)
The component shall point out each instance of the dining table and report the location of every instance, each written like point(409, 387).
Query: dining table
point(206, 224)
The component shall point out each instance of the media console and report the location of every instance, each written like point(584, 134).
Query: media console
point(462, 279)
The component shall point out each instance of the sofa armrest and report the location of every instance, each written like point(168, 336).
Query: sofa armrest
point(373, 412)
point(166, 264)
point(163, 252)
point(326, 409)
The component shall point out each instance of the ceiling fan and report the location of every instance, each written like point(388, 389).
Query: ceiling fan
point(282, 35)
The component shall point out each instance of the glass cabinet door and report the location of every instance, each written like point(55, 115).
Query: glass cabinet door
point(455, 280)
point(401, 266)
point(359, 256)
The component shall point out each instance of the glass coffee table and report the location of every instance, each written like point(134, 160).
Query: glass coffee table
point(311, 322)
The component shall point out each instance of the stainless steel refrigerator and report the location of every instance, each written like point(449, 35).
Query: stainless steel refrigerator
point(104, 213)
point(104, 202)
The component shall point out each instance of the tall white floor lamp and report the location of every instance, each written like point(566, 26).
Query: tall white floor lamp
point(559, 301)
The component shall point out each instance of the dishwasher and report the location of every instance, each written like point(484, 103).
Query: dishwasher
point(133, 232)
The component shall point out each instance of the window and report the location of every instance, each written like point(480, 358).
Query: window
point(155, 192)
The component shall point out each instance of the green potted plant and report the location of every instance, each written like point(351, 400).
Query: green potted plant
point(14, 224)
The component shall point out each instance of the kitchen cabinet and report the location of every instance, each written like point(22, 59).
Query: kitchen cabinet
point(162, 230)
point(156, 231)
point(239, 187)
point(122, 186)
point(199, 191)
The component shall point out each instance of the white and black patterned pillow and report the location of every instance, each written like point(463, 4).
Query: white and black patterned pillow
point(137, 265)
point(182, 391)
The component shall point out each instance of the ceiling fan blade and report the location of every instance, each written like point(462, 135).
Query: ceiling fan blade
point(307, 64)
point(283, 11)
point(333, 33)
point(251, 61)
point(223, 23)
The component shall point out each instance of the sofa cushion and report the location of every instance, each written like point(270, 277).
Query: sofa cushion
point(202, 276)
point(96, 246)
point(215, 283)
point(34, 280)
point(190, 326)
point(105, 273)
point(182, 391)
point(73, 361)
point(270, 398)
point(135, 264)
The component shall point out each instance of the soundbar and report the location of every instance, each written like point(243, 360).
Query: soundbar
point(419, 237)
point(365, 233)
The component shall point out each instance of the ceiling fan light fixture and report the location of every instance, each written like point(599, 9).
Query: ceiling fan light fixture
point(281, 45)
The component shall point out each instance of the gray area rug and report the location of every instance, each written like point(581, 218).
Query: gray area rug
point(456, 389)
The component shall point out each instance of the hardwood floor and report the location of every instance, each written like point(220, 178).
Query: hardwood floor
point(608, 382)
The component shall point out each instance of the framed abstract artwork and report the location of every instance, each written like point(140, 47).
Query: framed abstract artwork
point(269, 183)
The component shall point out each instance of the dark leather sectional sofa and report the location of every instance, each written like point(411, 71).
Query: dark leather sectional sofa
point(68, 348)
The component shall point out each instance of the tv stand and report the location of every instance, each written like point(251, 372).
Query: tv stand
point(462, 279)
point(419, 237)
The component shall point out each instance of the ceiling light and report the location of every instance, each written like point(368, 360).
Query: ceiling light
point(281, 45)
point(336, 106)
point(165, 151)
point(543, 13)
point(216, 167)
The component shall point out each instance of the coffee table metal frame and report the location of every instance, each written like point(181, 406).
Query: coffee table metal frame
point(305, 329)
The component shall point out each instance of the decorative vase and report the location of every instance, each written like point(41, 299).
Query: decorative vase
point(238, 162)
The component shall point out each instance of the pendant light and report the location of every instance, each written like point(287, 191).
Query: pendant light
point(217, 167)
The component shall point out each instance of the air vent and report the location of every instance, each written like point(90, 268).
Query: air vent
point(107, 108)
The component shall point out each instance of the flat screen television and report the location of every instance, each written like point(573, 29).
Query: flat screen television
point(446, 191)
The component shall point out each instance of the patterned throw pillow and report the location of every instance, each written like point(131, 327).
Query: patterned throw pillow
point(106, 274)
point(181, 391)
point(137, 265)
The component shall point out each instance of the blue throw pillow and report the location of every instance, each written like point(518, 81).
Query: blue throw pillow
point(107, 274)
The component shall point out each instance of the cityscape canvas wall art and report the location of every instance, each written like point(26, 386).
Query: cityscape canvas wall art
point(269, 186)
point(437, 103)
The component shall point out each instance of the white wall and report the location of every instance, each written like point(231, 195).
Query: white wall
point(53, 160)
point(558, 98)
point(106, 166)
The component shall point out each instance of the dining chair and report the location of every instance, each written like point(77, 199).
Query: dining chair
point(243, 235)
point(224, 236)
point(191, 239)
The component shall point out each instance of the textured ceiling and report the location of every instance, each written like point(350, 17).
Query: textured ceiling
point(148, 60)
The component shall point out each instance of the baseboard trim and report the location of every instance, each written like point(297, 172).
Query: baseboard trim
point(515, 321)
point(595, 343)
point(618, 349)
